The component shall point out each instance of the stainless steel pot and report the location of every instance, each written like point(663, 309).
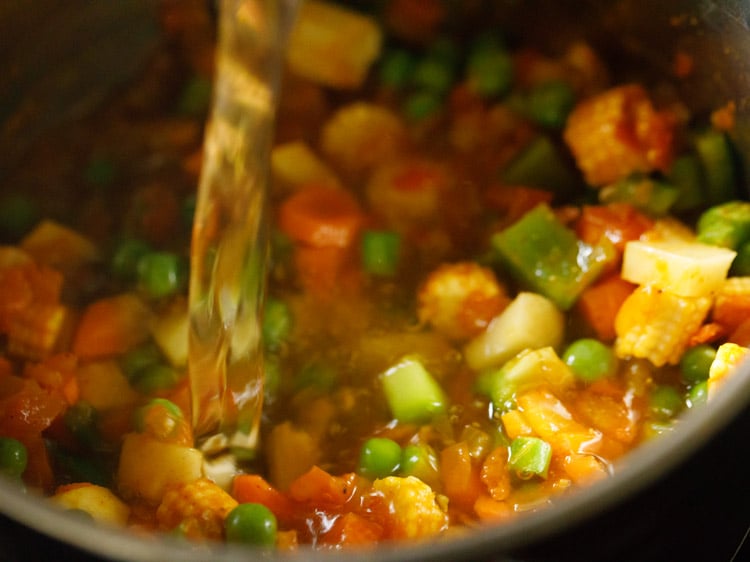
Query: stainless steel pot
point(60, 57)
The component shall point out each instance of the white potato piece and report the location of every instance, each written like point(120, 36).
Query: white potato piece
point(530, 321)
point(148, 466)
point(685, 269)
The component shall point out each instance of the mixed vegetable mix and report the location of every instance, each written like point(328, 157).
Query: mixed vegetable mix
point(494, 271)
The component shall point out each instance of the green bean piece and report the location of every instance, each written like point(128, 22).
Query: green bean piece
point(529, 457)
point(277, 323)
point(716, 155)
point(380, 252)
point(726, 225)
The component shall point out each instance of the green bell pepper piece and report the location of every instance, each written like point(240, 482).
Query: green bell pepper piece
point(548, 258)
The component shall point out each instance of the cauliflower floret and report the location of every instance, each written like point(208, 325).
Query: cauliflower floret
point(460, 299)
point(414, 511)
point(197, 508)
point(728, 357)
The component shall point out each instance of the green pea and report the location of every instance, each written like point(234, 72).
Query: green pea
point(696, 362)
point(81, 419)
point(549, 103)
point(13, 457)
point(422, 462)
point(161, 274)
point(433, 75)
point(489, 70)
point(396, 69)
point(590, 359)
point(665, 402)
point(421, 105)
point(251, 523)
point(698, 394)
point(155, 377)
point(124, 261)
point(138, 359)
point(277, 323)
point(379, 457)
point(172, 411)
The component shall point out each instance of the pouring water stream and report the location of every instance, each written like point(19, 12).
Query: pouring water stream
point(229, 246)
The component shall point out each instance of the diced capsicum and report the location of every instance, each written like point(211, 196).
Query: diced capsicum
point(644, 193)
point(544, 255)
point(726, 225)
point(540, 164)
point(412, 393)
point(714, 150)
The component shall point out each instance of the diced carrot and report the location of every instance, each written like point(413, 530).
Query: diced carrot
point(600, 302)
point(29, 408)
point(352, 529)
point(111, 326)
point(320, 269)
point(514, 424)
point(321, 217)
point(514, 201)
point(741, 334)
point(708, 333)
point(582, 468)
point(494, 474)
point(318, 487)
point(461, 480)
point(609, 414)
point(57, 373)
point(552, 421)
point(253, 488)
point(489, 509)
point(617, 222)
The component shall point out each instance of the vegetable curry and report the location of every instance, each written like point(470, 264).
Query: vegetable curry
point(494, 271)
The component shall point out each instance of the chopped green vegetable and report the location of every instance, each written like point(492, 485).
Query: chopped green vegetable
point(741, 264)
point(696, 363)
point(139, 358)
point(277, 323)
point(251, 523)
point(421, 105)
point(529, 457)
point(379, 457)
point(380, 252)
point(726, 225)
point(396, 68)
point(81, 420)
point(413, 395)
point(529, 369)
point(155, 377)
point(647, 194)
point(549, 103)
point(665, 402)
point(161, 274)
point(13, 457)
point(698, 394)
point(420, 461)
point(124, 261)
point(717, 159)
point(489, 70)
point(590, 359)
point(687, 176)
point(544, 255)
point(433, 75)
point(541, 165)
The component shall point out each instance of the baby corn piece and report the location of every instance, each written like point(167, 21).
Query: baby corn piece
point(197, 508)
point(33, 331)
point(657, 325)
